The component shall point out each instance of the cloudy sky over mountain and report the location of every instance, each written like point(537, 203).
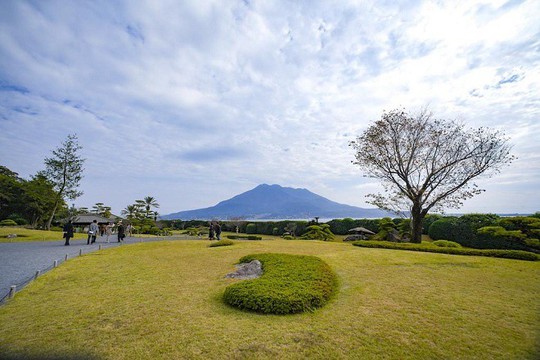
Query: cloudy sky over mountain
point(193, 102)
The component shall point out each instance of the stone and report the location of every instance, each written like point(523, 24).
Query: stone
point(250, 270)
point(11, 236)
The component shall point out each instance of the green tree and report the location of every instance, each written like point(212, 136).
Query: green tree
point(39, 199)
point(65, 171)
point(149, 203)
point(11, 192)
point(425, 163)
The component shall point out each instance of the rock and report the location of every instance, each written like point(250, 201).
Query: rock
point(11, 236)
point(250, 270)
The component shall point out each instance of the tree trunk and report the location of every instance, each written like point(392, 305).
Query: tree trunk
point(52, 215)
point(416, 224)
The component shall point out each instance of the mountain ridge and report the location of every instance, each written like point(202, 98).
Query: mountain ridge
point(276, 202)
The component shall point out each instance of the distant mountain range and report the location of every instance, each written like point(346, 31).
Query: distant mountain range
point(277, 202)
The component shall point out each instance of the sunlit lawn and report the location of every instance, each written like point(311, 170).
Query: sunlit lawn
point(162, 300)
point(32, 235)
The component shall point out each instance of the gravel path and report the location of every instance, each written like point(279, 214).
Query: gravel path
point(19, 261)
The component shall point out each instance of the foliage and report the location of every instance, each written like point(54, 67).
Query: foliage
point(425, 163)
point(64, 170)
point(290, 284)
point(221, 243)
point(446, 243)
point(247, 237)
point(497, 237)
point(386, 226)
point(319, 232)
point(342, 226)
point(428, 220)
point(530, 226)
point(8, 222)
point(442, 229)
point(251, 228)
point(508, 254)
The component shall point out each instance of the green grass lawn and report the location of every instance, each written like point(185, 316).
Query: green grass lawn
point(33, 235)
point(163, 300)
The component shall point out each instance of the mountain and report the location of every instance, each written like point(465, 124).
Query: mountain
point(277, 202)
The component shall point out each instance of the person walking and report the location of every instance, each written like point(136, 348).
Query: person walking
point(68, 232)
point(108, 231)
point(121, 231)
point(217, 229)
point(93, 230)
point(211, 232)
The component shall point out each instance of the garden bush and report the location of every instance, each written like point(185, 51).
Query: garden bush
point(8, 222)
point(289, 284)
point(251, 228)
point(508, 254)
point(446, 243)
point(287, 237)
point(221, 243)
point(247, 237)
point(319, 232)
point(497, 237)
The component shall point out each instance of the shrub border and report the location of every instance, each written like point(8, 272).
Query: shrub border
point(506, 254)
point(223, 242)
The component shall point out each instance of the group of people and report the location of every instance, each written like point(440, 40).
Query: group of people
point(94, 230)
point(215, 231)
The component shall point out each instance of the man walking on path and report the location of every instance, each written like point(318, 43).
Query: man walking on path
point(121, 231)
point(68, 232)
point(92, 232)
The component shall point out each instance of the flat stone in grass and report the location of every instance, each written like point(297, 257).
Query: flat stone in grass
point(250, 270)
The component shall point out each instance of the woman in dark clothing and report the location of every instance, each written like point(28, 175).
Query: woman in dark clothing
point(68, 232)
point(121, 232)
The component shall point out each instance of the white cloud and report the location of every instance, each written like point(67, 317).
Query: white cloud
point(194, 102)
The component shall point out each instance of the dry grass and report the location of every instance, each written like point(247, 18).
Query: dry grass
point(163, 300)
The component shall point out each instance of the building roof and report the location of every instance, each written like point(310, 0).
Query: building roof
point(89, 218)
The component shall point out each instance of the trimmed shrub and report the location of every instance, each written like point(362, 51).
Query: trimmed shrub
point(248, 237)
point(288, 237)
point(319, 232)
point(8, 222)
point(508, 254)
point(428, 220)
point(446, 243)
point(221, 243)
point(289, 284)
point(442, 229)
point(497, 237)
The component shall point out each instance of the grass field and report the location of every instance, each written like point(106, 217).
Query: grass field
point(32, 235)
point(163, 300)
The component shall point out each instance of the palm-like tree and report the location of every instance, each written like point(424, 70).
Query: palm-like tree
point(149, 203)
point(130, 211)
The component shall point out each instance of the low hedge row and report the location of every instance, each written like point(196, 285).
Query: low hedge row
point(248, 237)
point(289, 284)
point(221, 243)
point(508, 254)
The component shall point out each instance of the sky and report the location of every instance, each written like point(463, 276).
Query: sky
point(194, 102)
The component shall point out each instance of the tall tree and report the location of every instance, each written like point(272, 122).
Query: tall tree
point(149, 203)
point(65, 170)
point(39, 199)
point(426, 163)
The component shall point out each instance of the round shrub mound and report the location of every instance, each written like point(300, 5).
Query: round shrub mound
point(289, 284)
point(446, 243)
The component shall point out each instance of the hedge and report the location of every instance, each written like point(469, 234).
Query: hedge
point(221, 243)
point(248, 237)
point(507, 254)
point(289, 284)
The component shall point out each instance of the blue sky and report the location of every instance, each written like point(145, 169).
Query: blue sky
point(193, 102)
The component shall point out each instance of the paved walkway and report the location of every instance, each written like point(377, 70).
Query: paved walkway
point(19, 261)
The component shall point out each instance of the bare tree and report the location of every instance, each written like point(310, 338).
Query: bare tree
point(64, 170)
point(427, 164)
